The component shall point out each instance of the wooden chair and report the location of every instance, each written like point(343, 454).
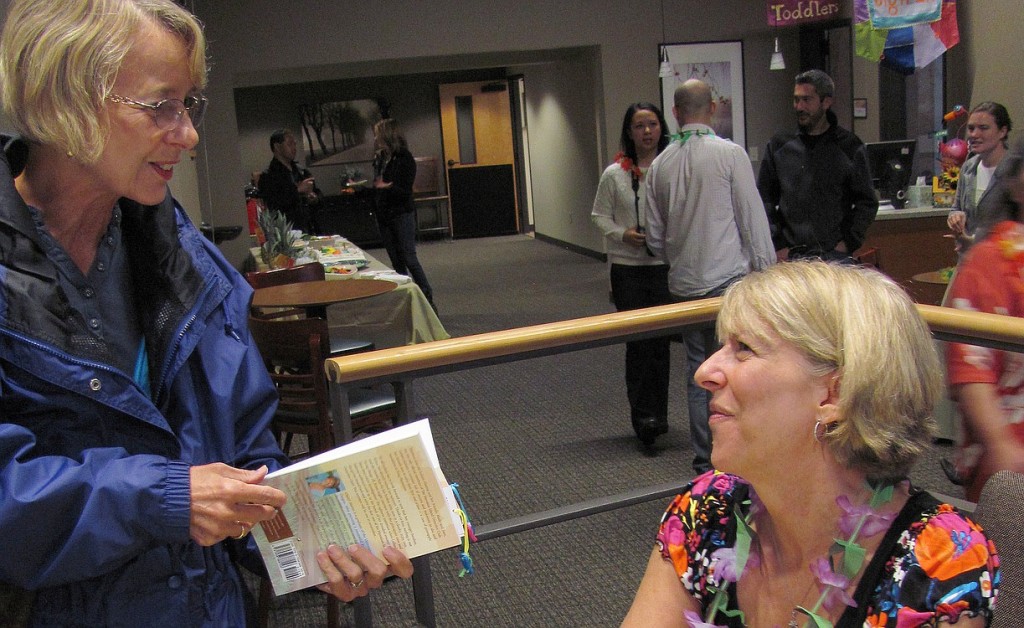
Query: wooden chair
point(426, 190)
point(314, 271)
point(294, 352)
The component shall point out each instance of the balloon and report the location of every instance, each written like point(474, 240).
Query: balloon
point(954, 151)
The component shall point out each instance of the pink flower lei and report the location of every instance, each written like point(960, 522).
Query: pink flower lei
point(855, 522)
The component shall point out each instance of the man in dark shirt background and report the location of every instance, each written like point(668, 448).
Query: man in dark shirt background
point(285, 186)
point(816, 183)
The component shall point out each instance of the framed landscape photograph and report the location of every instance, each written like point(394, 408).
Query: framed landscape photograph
point(338, 132)
point(720, 65)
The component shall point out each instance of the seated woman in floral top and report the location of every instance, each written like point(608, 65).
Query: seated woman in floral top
point(822, 399)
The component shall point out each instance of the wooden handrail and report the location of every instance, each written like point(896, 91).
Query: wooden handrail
point(1004, 332)
point(979, 328)
point(519, 343)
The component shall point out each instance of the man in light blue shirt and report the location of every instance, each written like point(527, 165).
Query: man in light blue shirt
point(705, 218)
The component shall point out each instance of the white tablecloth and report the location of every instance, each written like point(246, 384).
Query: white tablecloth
point(393, 319)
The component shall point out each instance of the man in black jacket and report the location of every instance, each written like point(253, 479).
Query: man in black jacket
point(816, 183)
point(285, 186)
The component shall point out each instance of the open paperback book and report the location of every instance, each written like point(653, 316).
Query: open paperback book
point(386, 489)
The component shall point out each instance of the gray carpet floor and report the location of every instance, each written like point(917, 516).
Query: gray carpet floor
point(533, 435)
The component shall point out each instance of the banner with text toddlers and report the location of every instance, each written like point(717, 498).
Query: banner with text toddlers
point(789, 12)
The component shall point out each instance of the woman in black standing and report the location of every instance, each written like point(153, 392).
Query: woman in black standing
point(394, 171)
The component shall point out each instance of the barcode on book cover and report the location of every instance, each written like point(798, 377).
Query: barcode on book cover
point(288, 560)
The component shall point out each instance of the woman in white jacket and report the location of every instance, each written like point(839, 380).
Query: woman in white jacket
point(638, 279)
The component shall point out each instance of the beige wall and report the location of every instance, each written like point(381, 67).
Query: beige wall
point(589, 60)
point(584, 63)
point(988, 64)
point(865, 80)
point(564, 131)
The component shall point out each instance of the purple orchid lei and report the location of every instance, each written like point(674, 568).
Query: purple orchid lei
point(855, 522)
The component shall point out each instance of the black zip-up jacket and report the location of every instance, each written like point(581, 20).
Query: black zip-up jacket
point(817, 193)
point(400, 171)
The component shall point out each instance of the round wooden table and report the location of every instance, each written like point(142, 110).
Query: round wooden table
point(930, 286)
point(936, 277)
point(315, 296)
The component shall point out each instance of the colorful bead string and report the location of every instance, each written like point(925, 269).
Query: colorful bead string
point(467, 534)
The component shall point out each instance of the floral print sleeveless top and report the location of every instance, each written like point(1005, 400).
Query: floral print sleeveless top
point(934, 564)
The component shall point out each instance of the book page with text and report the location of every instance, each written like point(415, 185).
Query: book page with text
point(386, 489)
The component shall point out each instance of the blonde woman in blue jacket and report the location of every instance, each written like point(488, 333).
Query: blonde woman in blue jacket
point(134, 407)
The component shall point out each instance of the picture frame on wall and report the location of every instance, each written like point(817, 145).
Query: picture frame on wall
point(720, 65)
point(338, 132)
point(860, 108)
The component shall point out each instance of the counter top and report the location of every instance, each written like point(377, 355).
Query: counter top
point(886, 212)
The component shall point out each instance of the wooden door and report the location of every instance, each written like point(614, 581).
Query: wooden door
point(476, 129)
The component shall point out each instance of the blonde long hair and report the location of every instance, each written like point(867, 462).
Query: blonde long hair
point(388, 138)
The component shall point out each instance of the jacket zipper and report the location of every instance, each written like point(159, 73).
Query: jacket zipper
point(61, 354)
point(171, 354)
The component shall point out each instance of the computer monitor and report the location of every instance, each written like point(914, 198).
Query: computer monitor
point(891, 164)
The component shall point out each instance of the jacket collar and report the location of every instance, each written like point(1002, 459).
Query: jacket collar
point(13, 211)
point(170, 282)
point(154, 224)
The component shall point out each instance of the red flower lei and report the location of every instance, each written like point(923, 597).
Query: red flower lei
point(1009, 237)
point(628, 165)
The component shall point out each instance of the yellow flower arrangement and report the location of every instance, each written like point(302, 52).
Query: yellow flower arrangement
point(950, 177)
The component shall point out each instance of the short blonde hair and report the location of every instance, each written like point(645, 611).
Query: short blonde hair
point(59, 62)
point(858, 323)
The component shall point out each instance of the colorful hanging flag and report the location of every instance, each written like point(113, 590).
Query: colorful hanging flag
point(908, 47)
point(869, 42)
point(900, 13)
point(917, 46)
point(931, 40)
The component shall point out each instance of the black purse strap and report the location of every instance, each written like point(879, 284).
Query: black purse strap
point(636, 208)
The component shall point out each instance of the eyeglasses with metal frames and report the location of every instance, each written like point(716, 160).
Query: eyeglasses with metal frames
point(167, 113)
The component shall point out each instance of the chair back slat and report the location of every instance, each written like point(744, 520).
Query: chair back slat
point(293, 352)
point(314, 271)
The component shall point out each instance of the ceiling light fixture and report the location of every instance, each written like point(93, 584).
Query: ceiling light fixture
point(665, 70)
point(777, 62)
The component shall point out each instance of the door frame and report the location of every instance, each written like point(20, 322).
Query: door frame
point(516, 91)
point(521, 152)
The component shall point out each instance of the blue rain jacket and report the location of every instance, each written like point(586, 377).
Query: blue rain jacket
point(94, 474)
